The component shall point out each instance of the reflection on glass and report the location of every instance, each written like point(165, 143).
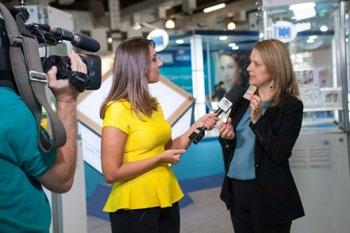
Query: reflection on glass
point(313, 54)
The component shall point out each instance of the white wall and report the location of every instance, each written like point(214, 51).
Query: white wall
point(83, 21)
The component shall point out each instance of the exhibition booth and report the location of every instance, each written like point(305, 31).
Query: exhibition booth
point(198, 68)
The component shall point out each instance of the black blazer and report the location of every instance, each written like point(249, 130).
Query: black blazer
point(276, 132)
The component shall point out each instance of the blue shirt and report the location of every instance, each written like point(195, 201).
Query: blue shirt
point(23, 203)
point(242, 166)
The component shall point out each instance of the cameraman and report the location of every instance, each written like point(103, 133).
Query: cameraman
point(24, 168)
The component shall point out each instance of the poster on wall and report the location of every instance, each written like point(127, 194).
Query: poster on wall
point(176, 104)
point(312, 154)
point(177, 67)
point(230, 68)
point(316, 90)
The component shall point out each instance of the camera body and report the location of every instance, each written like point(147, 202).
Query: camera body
point(80, 81)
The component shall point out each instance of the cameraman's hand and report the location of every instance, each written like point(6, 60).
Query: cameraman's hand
point(61, 87)
point(59, 178)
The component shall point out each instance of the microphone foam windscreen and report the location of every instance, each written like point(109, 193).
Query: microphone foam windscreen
point(85, 42)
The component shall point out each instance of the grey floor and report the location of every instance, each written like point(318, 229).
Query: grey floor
point(207, 214)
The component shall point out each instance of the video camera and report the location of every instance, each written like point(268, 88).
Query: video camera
point(47, 36)
point(22, 69)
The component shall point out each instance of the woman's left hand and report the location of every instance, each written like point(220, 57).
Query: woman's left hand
point(256, 107)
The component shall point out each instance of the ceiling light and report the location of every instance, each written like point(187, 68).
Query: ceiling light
point(303, 10)
point(231, 26)
point(310, 41)
point(313, 37)
point(214, 8)
point(323, 28)
point(261, 35)
point(302, 6)
point(223, 37)
point(232, 44)
point(170, 24)
point(137, 26)
point(179, 41)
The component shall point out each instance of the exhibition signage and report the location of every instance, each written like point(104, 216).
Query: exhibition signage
point(284, 31)
point(160, 38)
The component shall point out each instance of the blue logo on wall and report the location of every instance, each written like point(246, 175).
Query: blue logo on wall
point(160, 38)
point(284, 31)
point(158, 41)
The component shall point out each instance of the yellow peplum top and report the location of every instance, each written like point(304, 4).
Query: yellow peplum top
point(147, 137)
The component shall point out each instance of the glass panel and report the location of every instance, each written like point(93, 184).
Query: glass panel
point(313, 53)
point(225, 61)
point(347, 38)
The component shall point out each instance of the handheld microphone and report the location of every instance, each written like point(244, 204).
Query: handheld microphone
point(79, 40)
point(225, 104)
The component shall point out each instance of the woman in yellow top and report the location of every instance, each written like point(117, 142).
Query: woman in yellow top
point(137, 147)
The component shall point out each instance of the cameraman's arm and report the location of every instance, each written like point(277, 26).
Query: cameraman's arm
point(59, 178)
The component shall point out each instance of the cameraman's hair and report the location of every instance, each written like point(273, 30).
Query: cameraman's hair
point(131, 70)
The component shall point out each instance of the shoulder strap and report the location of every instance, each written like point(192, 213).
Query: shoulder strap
point(31, 81)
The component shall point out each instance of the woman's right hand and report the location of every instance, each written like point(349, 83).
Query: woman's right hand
point(171, 156)
point(208, 121)
point(226, 130)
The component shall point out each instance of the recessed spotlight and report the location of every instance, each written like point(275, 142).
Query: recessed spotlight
point(179, 41)
point(323, 28)
point(170, 24)
point(232, 44)
point(231, 26)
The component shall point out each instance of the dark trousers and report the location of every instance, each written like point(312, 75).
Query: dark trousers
point(150, 220)
point(245, 214)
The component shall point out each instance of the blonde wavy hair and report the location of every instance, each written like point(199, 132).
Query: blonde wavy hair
point(276, 57)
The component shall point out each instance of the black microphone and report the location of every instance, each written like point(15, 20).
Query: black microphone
point(38, 27)
point(225, 104)
point(79, 40)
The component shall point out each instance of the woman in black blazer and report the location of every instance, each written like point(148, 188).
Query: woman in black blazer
point(259, 189)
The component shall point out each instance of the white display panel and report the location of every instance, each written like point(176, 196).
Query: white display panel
point(176, 105)
point(320, 167)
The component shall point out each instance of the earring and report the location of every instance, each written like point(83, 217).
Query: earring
point(271, 84)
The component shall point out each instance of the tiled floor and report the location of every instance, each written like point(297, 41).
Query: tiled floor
point(207, 214)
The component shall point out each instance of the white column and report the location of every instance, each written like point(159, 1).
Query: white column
point(114, 17)
point(69, 209)
point(198, 88)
